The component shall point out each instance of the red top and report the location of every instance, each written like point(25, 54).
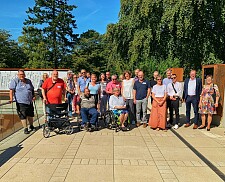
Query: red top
point(54, 95)
point(110, 86)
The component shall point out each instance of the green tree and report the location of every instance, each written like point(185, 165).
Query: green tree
point(11, 54)
point(158, 34)
point(48, 33)
point(90, 52)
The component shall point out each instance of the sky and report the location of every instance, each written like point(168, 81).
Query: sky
point(89, 14)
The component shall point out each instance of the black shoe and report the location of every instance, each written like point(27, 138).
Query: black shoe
point(26, 131)
point(32, 127)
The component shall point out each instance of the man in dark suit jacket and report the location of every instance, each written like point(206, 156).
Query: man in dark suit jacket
point(192, 91)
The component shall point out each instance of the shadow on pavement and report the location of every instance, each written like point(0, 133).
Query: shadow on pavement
point(9, 153)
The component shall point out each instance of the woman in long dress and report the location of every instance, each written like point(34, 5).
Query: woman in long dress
point(207, 105)
point(157, 118)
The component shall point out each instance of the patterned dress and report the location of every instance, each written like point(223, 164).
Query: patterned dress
point(207, 99)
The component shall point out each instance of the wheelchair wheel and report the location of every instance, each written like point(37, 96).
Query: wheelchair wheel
point(68, 130)
point(109, 119)
point(46, 131)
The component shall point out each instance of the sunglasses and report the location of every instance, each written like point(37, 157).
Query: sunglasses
point(174, 77)
point(159, 79)
point(83, 72)
point(114, 79)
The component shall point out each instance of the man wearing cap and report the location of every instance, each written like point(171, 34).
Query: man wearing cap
point(70, 90)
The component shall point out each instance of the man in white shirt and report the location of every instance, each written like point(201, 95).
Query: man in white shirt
point(174, 91)
point(191, 96)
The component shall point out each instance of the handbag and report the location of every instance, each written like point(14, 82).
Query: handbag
point(214, 95)
point(180, 101)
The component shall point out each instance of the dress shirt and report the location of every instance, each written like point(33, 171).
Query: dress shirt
point(178, 88)
point(192, 87)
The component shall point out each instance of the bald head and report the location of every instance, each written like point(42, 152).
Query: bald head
point(55, 75)
point(141, 75)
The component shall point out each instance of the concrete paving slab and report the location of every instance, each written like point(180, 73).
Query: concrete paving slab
point(129, 141)
point(203, 142)
point(29, 172)
point(168, 142)
point(93, 173)
point(97, 140)
point(136, 173)
point(131, 152)
point(191, 174)
point(212, 154)
point(180, 154)
point(47, 151)
point(95, 152)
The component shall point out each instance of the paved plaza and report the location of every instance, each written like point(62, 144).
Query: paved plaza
point(141, 154)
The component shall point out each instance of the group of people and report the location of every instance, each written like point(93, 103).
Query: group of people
point(128, 98)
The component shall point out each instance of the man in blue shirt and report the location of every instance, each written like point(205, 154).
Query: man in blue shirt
point(22, 91)
point(168, 80)
point(82, 81)
point(141, 93)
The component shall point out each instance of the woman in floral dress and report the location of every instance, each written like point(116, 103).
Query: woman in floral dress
point(207, 105)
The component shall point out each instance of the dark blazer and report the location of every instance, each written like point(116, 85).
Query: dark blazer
point(198, 88)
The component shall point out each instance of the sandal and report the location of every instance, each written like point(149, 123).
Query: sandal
point(124, 128)
point(201, 127)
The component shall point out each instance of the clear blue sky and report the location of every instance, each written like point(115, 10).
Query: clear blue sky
point(90, 14)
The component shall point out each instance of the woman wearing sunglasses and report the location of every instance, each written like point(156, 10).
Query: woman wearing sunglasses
point(157, 118)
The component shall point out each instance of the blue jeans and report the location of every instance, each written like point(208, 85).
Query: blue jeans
point(191, 100)
point(84, 114)
point(69, 97)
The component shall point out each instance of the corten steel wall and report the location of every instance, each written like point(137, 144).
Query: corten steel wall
point(179, 72)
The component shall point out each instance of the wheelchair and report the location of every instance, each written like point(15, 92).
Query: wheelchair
point(88, 127)
point(57, 118)
point(111, 121)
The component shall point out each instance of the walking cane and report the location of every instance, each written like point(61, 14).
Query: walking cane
point(37, 114)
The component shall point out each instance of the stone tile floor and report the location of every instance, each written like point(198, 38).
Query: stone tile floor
point(141, 154)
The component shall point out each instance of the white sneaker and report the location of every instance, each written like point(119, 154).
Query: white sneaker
point(176, 126)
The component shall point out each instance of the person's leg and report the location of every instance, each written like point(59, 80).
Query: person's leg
point(69, 100)
point(121, 118)
point(170, 106)
point(138, 111)
point(188, 109)
point(175, 105)
point(195, 106)
point(144, 110)
point(22, 115)
point(131, 111)
point(94, 115)
point(203, 119)
point(209, 121)
point(84, 115)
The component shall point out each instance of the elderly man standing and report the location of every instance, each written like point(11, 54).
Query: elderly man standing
point(141, 93)
point(22, 90)
point(70, 90)
point(53, 89)
point(192, 91)
point(82, 81)
point(168, 79)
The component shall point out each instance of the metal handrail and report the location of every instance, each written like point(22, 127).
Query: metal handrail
point(5, 103)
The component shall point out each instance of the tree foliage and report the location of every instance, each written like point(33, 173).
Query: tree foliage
point(157, 34)
point(11, 54)
point(89, 52)
point(48, 33)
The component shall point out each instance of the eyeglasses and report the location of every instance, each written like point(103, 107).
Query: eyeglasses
point(83, 72)
point(75, 77)
point(114, 79)
point(159, 79)
point(174, 77)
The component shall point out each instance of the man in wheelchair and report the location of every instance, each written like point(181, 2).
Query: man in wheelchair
point(86, 108)
point(118, 106)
